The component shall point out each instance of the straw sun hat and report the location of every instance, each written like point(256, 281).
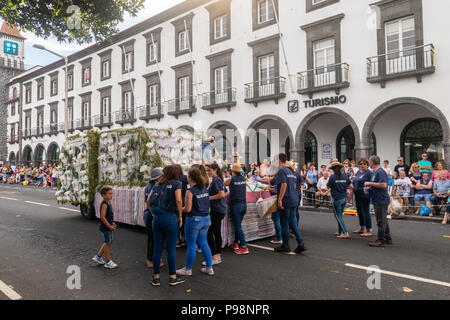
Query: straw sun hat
point(336, 164)
point(236, 168)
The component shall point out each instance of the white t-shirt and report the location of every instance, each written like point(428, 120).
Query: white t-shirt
point(403, 185)
point(322, 183)
point(388, 171)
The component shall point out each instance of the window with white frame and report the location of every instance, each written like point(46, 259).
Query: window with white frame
point(13, 109)
point(153, 51)
point(105, 106)
point(266, 67)
point(40, 119)
point(128, 61)
point(54, 87)
point(184, 91)
point(400, 37)
point(40, 91)
point(127, 100)
point(70, 81)
point(105, 68)
point(265, 11)
point(85, 111)
point(221, 79)
point(86, 75)
point(153, 94)
point(28, 95)
point(220, 27)
point(182, 41)
point(53, 116)
point(324, 62)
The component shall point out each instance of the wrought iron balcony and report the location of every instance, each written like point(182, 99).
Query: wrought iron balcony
point(103, 120)
point(225, 98)
point(270, 89)
point(12, 139)
point(185, 105)
point(37, 131)
point(62, 126)
point(10, 98)
point(51, 129)
point(331, 77)
point(125, 116)
point(83, 124)
point(151, 111)
point(412, 62)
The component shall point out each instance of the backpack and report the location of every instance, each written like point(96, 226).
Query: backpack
point(424, 210)
point(158, 199)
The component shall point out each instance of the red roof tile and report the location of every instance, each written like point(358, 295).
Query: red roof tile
point(11, 30)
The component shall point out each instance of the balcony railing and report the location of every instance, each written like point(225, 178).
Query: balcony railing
point(11, 64)
point(182, 105)
point(124, 116)
point(62, 126)
point(37, 131)
point(219, 98)
point(324, 78)
point(150, 111)
point(10, 98)
point(273, 88)
point(402, 63)
point(26, 133)
point(101, 120)
point(83, 123)
point(51, 128)
point(12, 139)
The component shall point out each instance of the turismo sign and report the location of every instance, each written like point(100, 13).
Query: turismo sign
point(328, 101)
point(10, 47)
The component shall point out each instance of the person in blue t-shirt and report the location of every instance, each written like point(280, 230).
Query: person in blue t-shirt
point(155, 177)
point(106, 226)
point(379, 196)
point(166, 224)
point(238, 207)
point(197, 222)
point(287, 202)
point(338, 183)
point(362, 198)
point(217, 212)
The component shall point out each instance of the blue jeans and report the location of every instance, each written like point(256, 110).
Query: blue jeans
point(363, 209)
point(196, 231)
point(339, 206)
point(165, 227)
point(238, 212)
point(277, 224)
point(107, 236)
point(288, 220)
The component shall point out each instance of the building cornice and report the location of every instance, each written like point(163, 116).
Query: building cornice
point(218, 54)
point(319, 22)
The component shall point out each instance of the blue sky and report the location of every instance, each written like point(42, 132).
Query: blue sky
point(37, 57)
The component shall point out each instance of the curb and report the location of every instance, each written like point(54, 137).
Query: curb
point(408, 217)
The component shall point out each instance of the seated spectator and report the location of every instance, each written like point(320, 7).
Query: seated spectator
point(354, 167)
point(396, 207)
point(323, 168)
point(424, 191)
point(439, 167)
point(401, 166)
point(424, 164)
point(323, 193)
point(440, 191)
point(403, 186)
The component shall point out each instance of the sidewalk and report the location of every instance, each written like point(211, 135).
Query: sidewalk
point(409, 217)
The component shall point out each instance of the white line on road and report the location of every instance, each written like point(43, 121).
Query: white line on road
point(9, 292)
point(39, 204)
point(62, 208)
point(267, 248)
point(400, 275)
point(6, 198)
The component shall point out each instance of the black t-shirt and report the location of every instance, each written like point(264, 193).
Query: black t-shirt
point(403, 167)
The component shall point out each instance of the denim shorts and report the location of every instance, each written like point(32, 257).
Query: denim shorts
point(422, 197)
point(404, 194)
point(108, 236)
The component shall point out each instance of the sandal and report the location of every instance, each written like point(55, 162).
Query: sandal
point(343, 236)
point(366, 234)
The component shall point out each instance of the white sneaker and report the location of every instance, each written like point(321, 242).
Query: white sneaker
point(275, 241)
point(98, 259)
point(389, 217)
point(184, 272)
point(111, 265)
point(214, 262)
point(208, 271)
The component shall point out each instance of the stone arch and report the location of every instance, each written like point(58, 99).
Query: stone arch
point(391, 104)
point(52, 155)
point(261, 120)
point(12, 158)
point(185, 127)
point(27, 155)
point(237, 143)
point(309, 119)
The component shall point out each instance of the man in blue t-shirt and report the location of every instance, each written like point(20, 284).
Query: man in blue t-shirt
point(380, 199)
point(288, 199)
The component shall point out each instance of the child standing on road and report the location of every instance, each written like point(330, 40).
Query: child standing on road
point(107, 226)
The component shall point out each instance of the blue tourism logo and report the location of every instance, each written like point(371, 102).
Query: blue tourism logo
point(10, 47)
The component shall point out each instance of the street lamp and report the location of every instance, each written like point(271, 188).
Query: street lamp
point(66, 108)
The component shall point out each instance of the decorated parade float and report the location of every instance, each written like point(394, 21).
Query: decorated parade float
point(124, 158)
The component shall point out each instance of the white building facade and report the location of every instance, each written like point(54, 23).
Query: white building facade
point(334, 78)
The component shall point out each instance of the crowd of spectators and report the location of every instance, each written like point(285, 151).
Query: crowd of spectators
point(42, 176)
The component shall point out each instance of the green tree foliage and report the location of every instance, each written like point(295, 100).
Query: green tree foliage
point(81, 21)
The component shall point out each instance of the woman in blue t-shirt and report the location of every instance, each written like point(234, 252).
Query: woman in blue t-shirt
point(338, 184)
point(197, 222)
point(217, 212)
point(238, 207)
point(362, 198)
point(165, 225)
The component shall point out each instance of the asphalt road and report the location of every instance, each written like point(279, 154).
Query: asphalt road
point(40, 239)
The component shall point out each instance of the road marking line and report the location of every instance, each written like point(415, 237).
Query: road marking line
point(39, 204)
point(62, 208)
point(400, 275)
point(9, 292)
point(268, 249)
point(6, 198)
